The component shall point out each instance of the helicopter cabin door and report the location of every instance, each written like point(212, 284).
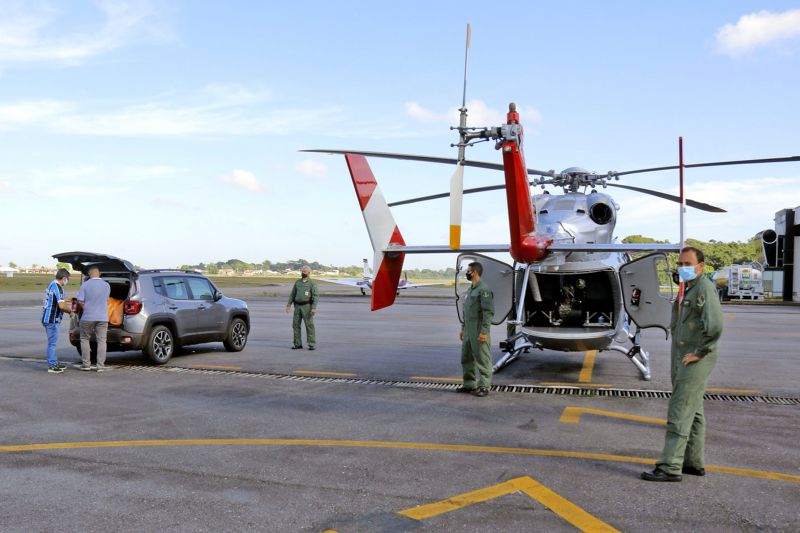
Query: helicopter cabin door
point(646, 305)
point(497, 275)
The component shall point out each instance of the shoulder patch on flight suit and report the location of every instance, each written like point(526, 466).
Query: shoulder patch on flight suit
point(701, 300)
point(484, 294)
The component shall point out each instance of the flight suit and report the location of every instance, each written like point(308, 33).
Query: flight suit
point(696, 327)
point(478, 314)
point(304, 297)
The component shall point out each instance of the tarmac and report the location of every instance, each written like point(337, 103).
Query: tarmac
point(367, 434)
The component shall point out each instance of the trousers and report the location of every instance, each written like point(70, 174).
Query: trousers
point(302, 313)
point(100, 330)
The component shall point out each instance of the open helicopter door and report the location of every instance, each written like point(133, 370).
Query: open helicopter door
point(641, 291)
point(497, 275)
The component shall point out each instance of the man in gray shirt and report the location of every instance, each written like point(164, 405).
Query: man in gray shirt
point(93, 298)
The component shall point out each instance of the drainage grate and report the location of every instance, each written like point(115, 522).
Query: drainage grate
point(521, 389)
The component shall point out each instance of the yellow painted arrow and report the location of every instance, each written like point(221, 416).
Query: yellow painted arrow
point(556, 503)
point(572, 415)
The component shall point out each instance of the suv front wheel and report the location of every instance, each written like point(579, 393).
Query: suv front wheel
point(160, 345)
point(237, 336)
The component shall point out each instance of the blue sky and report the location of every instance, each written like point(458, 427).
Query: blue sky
point(168, 132)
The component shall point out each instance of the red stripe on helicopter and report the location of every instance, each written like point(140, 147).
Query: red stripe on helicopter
point(363, 179)
point(387, 279)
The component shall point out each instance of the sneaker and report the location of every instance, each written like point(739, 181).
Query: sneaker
point(464, 390)
point(85, 368)
point(63, 366)
point(101, 369)
point(55, 369)
point(481, 392)
point(297, 347)
point(311, 348)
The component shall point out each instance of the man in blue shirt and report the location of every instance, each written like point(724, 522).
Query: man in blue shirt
point(53, 308)
point(93, 297)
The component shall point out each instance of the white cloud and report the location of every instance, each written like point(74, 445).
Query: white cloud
point(82, 191)
point(215, 110)
point(422, 114)
point(312, 168)
point(29, 31)
point(478, 114)
point(32, 112)
point(5, 186)
point(243, 179)
point(757, 30)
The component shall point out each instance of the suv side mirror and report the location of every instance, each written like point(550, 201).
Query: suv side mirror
point(217, 296)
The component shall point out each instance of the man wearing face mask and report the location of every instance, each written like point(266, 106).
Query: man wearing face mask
point(53, 308)
point(304, 297)
point(475, 346)
point(696, 327)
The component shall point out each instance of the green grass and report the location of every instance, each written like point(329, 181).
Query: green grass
point(25, 282)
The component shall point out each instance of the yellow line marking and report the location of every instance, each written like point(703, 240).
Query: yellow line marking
point(315, 373)
point(560, 505)
point(457, 502)
point(563, 384)
point(467, 448)
point(430, 378)
point(749, 391)
point(556, 503)
point(588, 366)
point(572, 415)
point(225, 367)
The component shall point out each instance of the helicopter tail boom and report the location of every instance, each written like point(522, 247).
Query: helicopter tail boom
point(382, 229)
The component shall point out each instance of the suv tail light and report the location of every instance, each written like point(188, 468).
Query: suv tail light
point(132, 307)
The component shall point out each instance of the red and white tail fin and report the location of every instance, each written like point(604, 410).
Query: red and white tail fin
point(382, 230)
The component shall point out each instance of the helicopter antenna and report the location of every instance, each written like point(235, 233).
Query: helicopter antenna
point(457, 181)
point(683, 198)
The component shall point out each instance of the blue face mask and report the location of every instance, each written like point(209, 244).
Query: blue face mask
point(687, 273)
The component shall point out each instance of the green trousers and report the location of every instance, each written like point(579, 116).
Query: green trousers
point(686, 424)
point(302, 312)
point(476, 355)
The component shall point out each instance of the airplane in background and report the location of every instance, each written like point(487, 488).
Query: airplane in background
point(365, 282)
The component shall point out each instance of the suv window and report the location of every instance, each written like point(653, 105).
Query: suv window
point(201, 289)
point(171, 287)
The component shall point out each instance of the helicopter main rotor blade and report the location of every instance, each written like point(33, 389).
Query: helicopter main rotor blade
point(794, 158)
point(691, 203)
point(426, 159)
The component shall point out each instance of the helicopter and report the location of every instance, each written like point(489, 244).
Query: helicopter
point(571, 287)
point(364, 283)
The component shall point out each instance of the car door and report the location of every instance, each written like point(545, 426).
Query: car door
point(640, 282)
point(179, 303)
point(498, 276)
point(210, 313)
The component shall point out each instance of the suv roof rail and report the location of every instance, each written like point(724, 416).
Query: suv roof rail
point(156, 270)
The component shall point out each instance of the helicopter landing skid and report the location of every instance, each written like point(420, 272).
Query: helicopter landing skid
point(513, 347)
point(638, 356)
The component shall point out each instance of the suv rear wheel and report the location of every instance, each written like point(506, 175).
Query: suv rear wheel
point(237, 336)
point(160, 345)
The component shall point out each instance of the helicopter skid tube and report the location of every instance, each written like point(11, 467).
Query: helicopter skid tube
point(520, 343)
point(638, 357)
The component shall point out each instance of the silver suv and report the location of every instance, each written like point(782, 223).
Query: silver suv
point(157, 311)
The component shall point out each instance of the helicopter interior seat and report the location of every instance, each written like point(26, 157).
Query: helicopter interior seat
point(568, 299)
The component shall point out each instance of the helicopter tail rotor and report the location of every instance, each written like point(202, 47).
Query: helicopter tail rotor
point(382, 230)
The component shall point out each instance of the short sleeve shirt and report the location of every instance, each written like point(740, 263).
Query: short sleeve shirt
point(94, 294)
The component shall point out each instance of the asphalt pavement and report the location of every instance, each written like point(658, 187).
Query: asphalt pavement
point(367, 434)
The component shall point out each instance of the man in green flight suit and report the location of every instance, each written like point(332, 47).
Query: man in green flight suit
point(476, 343)
point(696, 327)
point(304, 297)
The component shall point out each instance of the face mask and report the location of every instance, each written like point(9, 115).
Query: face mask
point(304, 275)
point(687, 273)
point(469, 276)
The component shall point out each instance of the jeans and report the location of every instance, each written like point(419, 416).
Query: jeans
point(52, 340)
point(100, 329)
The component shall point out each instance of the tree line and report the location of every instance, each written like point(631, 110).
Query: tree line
point(718, 255)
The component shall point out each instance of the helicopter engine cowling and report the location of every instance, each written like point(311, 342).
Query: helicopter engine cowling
point(600, 211)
